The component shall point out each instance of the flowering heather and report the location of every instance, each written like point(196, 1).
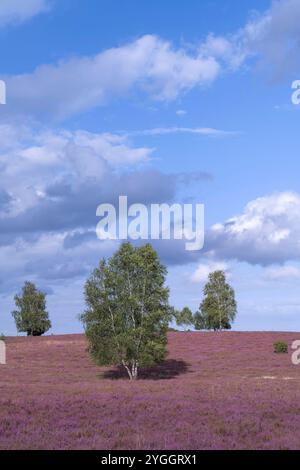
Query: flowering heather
point(215, 391)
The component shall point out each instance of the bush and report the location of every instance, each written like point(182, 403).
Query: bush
point(280, 347)
point(2, 337)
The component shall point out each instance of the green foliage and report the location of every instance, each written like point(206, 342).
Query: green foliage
point(127, 316)
point(280, 347)
point(2, 337)
point(31, 316)
point(218, 308)
point(184, 317)
point(199, 321)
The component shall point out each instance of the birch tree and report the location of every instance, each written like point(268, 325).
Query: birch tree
point(184, 318)
point(31, 316)
point(218, 308)
point(128, 314)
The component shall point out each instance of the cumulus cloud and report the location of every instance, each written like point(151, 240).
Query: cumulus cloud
point(34, 162)
point(270, 38)
point(267, 232)
point(204, 269)
point(56, 179)
point(52, 182)
point(229, 52)
point(275, 37)
point(18, 11)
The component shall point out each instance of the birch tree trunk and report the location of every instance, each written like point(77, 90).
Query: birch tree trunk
point(133, 371)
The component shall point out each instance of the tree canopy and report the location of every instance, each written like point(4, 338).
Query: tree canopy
point(31, 316)
point(218, 308)
point(184, 317)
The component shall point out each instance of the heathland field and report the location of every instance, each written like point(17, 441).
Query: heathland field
point(215, 391)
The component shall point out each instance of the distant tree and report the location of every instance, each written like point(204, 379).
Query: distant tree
point(199, 321)
point(218, 308)
point(31, 316)
point(128, 314)
point(184, 317)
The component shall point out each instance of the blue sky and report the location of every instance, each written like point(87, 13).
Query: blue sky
point(113, 97)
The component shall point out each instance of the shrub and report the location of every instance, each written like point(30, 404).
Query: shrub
point(280, 347)
point(2, 337)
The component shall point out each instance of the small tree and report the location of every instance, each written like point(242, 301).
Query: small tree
point(184, 317)
point(199, 321)
point(31, 316)
point(127, 314)
point(218, 308)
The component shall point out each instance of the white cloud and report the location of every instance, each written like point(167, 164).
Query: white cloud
point(267, 232)
point(274, 37)
point(44, 146)
point(151, 64)
point(230, 52)
point(205, 131)
point(31, 159)
point(203, 270)
point(51, 184)
point(18, 11)
point(280, 273)
point(181, 112)
point(279, 29)
point(45, 259)
point(81, 83)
